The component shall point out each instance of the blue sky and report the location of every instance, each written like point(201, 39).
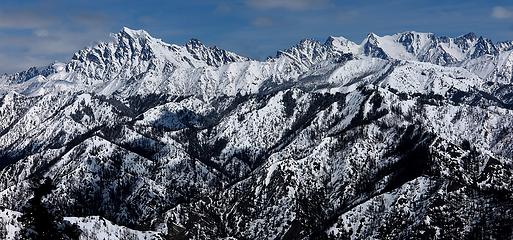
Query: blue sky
point(40, 32)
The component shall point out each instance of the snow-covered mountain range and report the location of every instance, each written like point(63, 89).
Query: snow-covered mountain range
point(398, 137)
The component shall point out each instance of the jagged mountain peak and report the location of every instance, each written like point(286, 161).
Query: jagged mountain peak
point(308, 41)
point(140, 40)
point(371, 38)
point(470, 36)
point(135, 38)
point(213, 55)
point(307, 52)
point(312, 48)
point(194, 43)
point(332, 39)
point(135, 54)
point(127, 43)
point(406, 36)
point(134, 33)
point(504, 45)
point(303, 45)
point(400, 35)
point(372, 35)
point(427, 47)
point(342, 44)
point(412, 36)
point(32, 72)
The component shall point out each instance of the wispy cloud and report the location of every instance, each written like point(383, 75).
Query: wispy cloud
point(42, 47)
point(34, 38)
point(41, 33)
point(11, 64)
point(90, 19)
point(223, 7)
point(294, 5)
point(23, 19)
point(262, 22)
point(500, 12)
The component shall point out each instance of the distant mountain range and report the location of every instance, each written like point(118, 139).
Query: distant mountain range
point(405, 136)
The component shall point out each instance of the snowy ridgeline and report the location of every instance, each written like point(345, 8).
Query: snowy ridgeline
point(135, 63)
point(92, 228)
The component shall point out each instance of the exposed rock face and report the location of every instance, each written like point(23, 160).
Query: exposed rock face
point(399, 137)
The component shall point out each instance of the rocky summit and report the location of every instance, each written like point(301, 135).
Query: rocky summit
point(405, 136)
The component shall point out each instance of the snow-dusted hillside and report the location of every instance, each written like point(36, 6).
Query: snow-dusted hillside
point(93, 228)
point(399, 137)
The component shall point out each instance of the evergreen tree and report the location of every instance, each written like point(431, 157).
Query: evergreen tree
point(39, 222)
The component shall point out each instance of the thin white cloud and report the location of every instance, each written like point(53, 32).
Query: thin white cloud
point(224, 8)
point(500, 12)
point(12, 63)
point(41, 33)
point(262, 22)
point(90, 19)
point(45, 38)
point(44, 47)
point(288, 4)
point(23, 19)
